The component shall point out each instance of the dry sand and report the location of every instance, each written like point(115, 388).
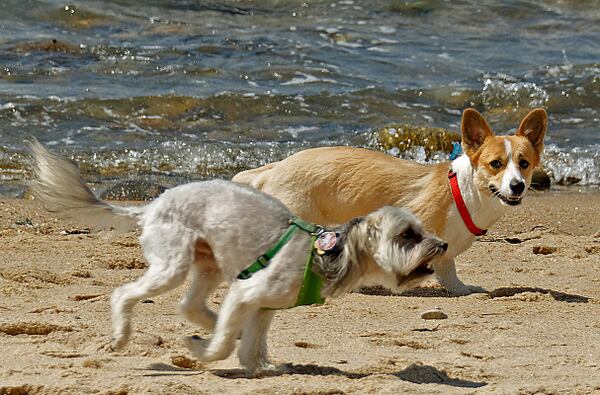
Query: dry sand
point(538, 331)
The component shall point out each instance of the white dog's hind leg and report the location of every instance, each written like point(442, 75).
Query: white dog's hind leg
point(193, 304)
point(253, 349)
point(233, 315)
point(169, 257)
point(124, 298)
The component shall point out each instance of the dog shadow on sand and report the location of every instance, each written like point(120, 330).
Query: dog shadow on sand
point(496, 293)
point(164, 369)
point(415, 373)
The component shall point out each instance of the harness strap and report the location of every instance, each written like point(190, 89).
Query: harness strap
point(310, 293)
point(305, 226)
point(263, 261)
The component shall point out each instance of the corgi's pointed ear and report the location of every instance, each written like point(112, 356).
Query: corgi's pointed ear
point(533, 127)
point(475, 130)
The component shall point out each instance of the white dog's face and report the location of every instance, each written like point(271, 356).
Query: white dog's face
point(402, 247)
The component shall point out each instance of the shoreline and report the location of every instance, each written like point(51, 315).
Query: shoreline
point(18, 190)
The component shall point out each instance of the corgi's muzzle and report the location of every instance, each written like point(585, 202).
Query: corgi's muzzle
point(513, 200)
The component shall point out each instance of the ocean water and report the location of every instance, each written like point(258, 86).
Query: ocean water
point(166, 92)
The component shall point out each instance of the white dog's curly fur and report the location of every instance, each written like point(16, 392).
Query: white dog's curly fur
point(215, 229)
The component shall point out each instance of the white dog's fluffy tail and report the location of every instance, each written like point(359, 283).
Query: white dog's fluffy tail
point(58, 185)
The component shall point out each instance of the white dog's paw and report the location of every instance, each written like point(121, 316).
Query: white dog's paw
point(196, 345)
point(101, 346)
point(261, 369)
point(117, 343)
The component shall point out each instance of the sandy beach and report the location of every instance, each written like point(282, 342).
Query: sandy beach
point(537, 331)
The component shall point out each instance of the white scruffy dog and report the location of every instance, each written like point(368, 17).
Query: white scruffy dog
point(215, 229)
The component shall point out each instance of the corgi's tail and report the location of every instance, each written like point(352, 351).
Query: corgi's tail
point(58, 185)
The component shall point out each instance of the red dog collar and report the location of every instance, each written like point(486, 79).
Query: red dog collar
point(462, 207)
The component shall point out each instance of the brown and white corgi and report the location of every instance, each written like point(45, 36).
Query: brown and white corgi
point(331, 185)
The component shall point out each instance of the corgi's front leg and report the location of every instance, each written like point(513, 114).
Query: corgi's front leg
point(445, 271)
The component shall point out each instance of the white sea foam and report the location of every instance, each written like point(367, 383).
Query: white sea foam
point(505, 90)
point(579, 166)
point(303, 78)
point(295, 131)
point(378, 49)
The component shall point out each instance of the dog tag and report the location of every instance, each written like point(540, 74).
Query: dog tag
point(325, 242)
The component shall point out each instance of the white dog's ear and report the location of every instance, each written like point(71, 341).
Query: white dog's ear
point(475, 130)
point(373, 228)
point(380, 246)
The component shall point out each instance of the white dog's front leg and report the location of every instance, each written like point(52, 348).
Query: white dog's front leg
point(233, 315)
point(253, 350)
point(445, 271)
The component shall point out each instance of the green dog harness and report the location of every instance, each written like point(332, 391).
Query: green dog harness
point(310, 292)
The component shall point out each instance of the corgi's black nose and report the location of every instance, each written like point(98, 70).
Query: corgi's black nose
point(517, 187)
point(444, 246)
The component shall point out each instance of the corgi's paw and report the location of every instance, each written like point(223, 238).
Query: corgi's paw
point(464, 290)
point(476, 289)
point(459, 289)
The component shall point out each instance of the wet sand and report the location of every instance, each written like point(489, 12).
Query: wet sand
point(537, 331)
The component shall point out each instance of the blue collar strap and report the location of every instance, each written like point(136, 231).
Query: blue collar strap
point(456, 150)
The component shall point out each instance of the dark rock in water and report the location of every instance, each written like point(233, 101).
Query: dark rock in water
point(157, 124)
point(48, 46)
point(568, 181)
point(405, 137)
point(540, 180)
point(169, 107)
point(414, 8)
point(211, 49)
point(133, 190)
point(77, 18)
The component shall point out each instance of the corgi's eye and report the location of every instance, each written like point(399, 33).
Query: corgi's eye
point(523, 164)
point(496, 164)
